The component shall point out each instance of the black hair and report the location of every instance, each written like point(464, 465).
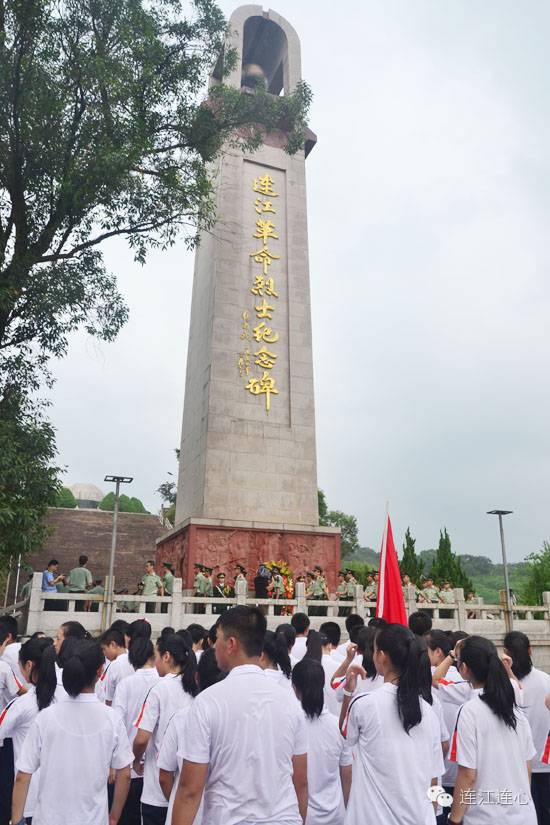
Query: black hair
point(183, 658)
point(420, 623)
point(274, 647)
point(314, 645)
point(248, 625)
point(481, 657)
point(365, 647)
point(456, 636)
point(52, 561)
point(186, 636)
point(197, 632)
point(141, 650)
point(354, 633)
point(167, 631)
point(81, 666)
point(74, 630)
point(10, 624)
point(332, 632)
point(138, 629)
point(208, 671)
point(300, 622)
point(211, 636)
point(377, 621)
point(41, 653)
point(409, 657)
point(82, 560)
point(438, 638)
point(121, 625)
point(517, 644)
point(289, 634)
point(150, 561)
point(111, 636)
point(308, 677)
point(353, 620)
point(39, 634)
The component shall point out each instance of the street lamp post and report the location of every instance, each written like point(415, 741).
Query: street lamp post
point(509, 612)
point(108, 606)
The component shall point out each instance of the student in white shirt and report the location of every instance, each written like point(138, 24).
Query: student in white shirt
point(129, 701)
point(245, 745)
point(198, 635)
point(177, 666)
point(114, 650)
point(353, 620)
point(289, 635)
point(10, 655)
point(171, 751)
point(300, 622)
point(37, 661)
point(492, 745)
point(75, 744)
point(395, 735)
point(275, 660)
point(536, 687)
point(329, 759)
point(362, 653)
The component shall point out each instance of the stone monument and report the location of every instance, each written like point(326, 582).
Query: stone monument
point(247, 487)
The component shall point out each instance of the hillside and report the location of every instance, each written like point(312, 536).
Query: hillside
point(488, 577)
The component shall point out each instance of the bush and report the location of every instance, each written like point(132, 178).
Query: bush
point(65, 498)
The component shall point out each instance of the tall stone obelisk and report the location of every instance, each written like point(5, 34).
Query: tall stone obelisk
point(247, 487)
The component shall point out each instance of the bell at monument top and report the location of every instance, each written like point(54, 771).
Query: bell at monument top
point(248, 441)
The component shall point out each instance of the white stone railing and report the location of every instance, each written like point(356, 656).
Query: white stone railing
point(183, 609)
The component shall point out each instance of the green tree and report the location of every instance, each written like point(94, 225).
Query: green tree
point(538, 576)
point(349, 542)
point(411, 565)
point(168, 492)
point(65, 498)
point(446, 565)
point(28, 478)
point(137, 506)
point(103, 133)
point(323, 508)
point(125, 504)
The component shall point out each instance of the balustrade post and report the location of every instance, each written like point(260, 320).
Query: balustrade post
point(360, 606)
point(300, 592)
point(175, 613)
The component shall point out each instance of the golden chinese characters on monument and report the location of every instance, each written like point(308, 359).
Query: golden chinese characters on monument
point(263, 288)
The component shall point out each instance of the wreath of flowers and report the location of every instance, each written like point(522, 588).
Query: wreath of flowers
point(288, 581)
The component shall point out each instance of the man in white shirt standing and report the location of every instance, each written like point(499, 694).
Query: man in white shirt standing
point(300, 622)
point(245, 743)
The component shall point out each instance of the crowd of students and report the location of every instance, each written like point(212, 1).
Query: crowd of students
point(240, 725)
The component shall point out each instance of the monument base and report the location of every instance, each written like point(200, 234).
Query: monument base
point(222, 545)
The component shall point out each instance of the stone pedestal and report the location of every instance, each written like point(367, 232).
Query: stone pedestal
point(222, 545)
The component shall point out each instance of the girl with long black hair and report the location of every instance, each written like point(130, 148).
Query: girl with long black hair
point(492, 745)
point(275, 660)
point(177, 666)
point(75, 743)
point(129, 699)
point(394, 733)
point(536, 687)
point(329, 758)
point(37, 665)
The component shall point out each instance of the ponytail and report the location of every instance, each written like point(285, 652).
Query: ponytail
point(481, 657)
point(81, 665)
point(308, 677)
point(409, 657)
point(183, 657)
point(517, 646)
point(139, 629)
point(314, 645)
point(275, 649)
point(140, 651)
point(365, 646)
point(41, 653)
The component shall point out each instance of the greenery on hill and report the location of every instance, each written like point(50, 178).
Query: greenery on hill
point(125, 504)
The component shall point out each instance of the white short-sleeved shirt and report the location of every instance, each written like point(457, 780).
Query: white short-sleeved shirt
point(15, 722)
point(11, 657)
point(363, 686)
point(393, 769)
point(299, 648)
point(120, 668)
point(170, 758)
point(129, 700)
point(498, 754)
point(74, 743)
point(330, 666)
point(327, 752)
point(536, 686)
point(247, 731)
point(164, 700)
point(8, 685)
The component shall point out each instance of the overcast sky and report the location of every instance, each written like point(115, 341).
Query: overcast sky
point(429, 201)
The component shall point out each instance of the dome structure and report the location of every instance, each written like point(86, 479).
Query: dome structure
point(87, 496)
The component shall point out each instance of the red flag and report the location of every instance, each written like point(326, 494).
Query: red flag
point(390, 604)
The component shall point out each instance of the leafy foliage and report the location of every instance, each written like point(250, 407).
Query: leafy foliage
point(28, 479)
point(349, 542)
point(102, 134)
point(65, 498)
point(125, 504)
point(538, 577)
point(411, 565)
point(447, 566)
point(168, 491)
